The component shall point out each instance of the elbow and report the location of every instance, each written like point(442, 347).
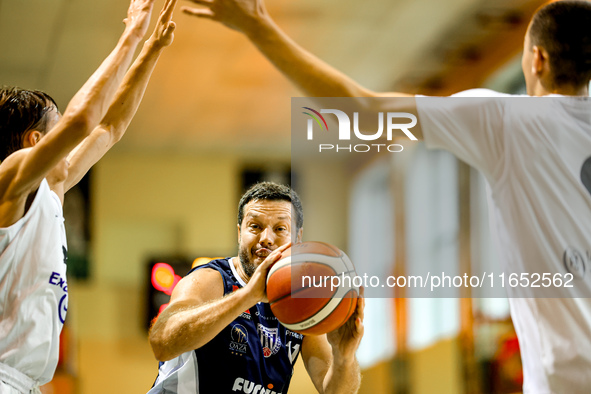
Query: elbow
point(80, 124)
point(163, 348)
point(116, 135)
point(160, 353)
point(159, 348)
point(364, 92)
point(83, 116)
point(112, 133)
point(369, 104)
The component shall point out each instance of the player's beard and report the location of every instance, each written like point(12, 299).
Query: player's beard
point(247, 266)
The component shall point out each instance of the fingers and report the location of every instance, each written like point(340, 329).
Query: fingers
point(202, 2)
point(166, 14)
point(360, 314)
point(198, 12)
point(165, 26)
point(169, 29)
point(274, 256)
point(283, 247)
point(141, 5)
point(361, 302)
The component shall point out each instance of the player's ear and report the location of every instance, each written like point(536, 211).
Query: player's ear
point(31, 138)
point(539, 60)
point(238, 226)
point(300, 235)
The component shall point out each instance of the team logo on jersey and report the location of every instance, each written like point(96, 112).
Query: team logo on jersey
point(261, 316)
point(63, 308)
point(56, 279)
point(246, 386)
point(239, 342)
point(294, 334)
point(574, 262)
point(269, 339)
point(586, 174)
point(245, 315)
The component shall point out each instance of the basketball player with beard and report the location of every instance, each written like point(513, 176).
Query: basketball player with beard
point(218, 334)
point(534, 150)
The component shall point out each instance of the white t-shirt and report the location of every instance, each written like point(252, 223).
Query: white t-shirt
point(33, 287)
point(535, 153)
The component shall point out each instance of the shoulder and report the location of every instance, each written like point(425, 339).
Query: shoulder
point(15, 202)
point(9, 174)
point(203, 274)
point(480, 93)
point(216, 265)
point(219, 266)
point(461, 103)
point(201, 285)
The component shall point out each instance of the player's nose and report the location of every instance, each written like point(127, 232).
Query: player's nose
point(267, 237)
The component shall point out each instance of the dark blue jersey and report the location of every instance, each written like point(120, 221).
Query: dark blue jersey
point(253, 354)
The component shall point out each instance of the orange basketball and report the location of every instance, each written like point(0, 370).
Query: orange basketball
point(311, 288)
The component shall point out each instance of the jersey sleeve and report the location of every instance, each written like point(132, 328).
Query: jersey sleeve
point(468, 124)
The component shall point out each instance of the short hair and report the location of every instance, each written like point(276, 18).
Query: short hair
point(563, 29)
point(21, 110)
point(272, 192)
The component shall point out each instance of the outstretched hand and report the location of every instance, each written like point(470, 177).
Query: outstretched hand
point(240, 15)
point(138, 16)
point(163, 33)
point(345, 340)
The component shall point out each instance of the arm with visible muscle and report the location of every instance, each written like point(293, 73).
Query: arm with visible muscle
point(314, 77)
point(198, 309)
point(330, 359)
point(309, 73)
point(126, 102)
point(83, 112)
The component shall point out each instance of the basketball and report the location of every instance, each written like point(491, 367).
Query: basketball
point(311, 288)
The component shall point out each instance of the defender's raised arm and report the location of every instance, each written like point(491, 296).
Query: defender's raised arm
point(126, 102)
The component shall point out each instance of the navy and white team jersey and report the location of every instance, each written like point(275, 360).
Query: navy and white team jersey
point(253, 354)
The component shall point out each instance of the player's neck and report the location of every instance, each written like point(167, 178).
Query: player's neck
point(239, 270)
point(564, 90)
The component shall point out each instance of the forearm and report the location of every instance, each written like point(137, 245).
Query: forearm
point(310, 74)
point(91, 101)
point(343, 376)
point(126, 101)
point(190, 328)
point(88, 152)
point(118, 116)
point(131, 91)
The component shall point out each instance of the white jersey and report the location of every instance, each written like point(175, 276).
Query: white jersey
point(536, 156)
point(33, 289)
